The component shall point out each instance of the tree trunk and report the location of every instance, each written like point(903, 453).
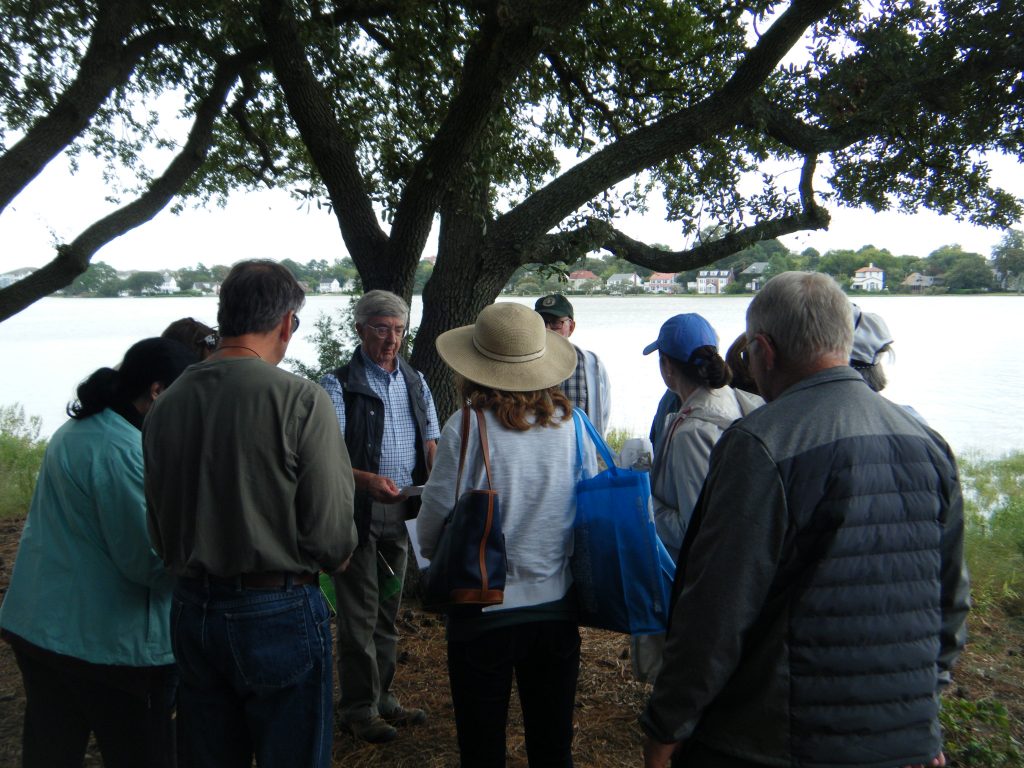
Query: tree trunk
point(465, 280)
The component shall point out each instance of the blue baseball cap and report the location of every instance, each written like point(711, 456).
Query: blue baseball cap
point(682, 335)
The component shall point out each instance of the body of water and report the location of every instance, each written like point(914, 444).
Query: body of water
point(958, 358)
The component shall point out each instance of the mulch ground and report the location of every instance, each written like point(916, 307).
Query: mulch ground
point(608, 700)
point(607, 704)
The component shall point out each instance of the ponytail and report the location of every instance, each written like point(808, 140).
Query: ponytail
point(148, 362)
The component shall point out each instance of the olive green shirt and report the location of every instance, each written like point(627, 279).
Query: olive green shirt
point(246, 472)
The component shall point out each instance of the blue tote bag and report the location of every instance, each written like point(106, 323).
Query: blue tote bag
point(622, 571)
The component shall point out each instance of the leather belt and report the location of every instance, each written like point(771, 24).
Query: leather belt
point(267, 580)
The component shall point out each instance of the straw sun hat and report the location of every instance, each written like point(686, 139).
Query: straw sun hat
point(508, 348)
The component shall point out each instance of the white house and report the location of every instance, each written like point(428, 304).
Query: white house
point(622, 280)
point(329, 286)
point(169, 285)
point(869, 278)
point(713, 280)
point(661, 282)
point(578, 278)
point(755, 275)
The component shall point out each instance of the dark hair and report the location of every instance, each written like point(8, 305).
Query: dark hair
point(145, 363)
point(512, 408)
point(194, 334)
point(706, 369)
point(737, 360)
point(255, 296)
point(873, 375)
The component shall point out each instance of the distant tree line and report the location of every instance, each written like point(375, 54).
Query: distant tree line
point(957, 270)
point(102, 280)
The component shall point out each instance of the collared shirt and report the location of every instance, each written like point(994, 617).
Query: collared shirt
point(575, 387)
point(398, 446)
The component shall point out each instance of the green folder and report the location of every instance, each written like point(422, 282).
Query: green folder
point(327, 588)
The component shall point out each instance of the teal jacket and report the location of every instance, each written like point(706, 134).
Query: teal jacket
point(86, 582)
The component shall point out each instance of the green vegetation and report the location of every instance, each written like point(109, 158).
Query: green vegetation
point(948, 269)
point(335, 340)
point(21, 453)
point(994, 508)
point(979, 734)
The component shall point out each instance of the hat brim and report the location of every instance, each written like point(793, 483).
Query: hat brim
point(557, 363)
point(650, 347)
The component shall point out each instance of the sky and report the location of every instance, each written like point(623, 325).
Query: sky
point(270, 224)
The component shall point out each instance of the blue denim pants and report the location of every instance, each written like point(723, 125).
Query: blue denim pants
point(255, 675)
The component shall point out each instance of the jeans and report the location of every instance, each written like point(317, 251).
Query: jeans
point(545, 658)
point(255, 675)
point(133, 730)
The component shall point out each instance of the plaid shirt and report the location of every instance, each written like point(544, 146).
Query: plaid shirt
point(575, 387)
point(398, 447)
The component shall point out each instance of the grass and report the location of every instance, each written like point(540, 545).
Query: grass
point(994, 535)
point(21, 454)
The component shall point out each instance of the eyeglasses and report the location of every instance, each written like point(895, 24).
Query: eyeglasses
point(745, 354)
point(295, 323)
point(211, 341)
point(555, 324)
point(383, 331)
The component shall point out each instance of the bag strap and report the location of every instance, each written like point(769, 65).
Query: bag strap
point(481, 424)
point(464, 443)
point(582, 422)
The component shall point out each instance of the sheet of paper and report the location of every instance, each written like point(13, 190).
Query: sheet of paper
point(421, 561)
point(412, 490)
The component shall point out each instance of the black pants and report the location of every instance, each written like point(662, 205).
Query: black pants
point(693, 754)
point(545, 658)
point(133, 730)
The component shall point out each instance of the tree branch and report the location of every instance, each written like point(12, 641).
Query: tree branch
point(267, 168)
point(105, 65)
point(671, 135)
point(567, 80)
point(597, 234)
point(511, 38)
point(73, 259)
point(333, 155)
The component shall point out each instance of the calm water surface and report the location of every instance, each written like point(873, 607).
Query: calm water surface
point(958, 361)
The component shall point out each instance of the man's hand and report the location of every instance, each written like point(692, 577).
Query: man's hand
point(382, 489)
point(937, 762)
point(656, 754)
point(430, 447)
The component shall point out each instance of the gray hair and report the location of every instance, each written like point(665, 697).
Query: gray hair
point(806, 315)
point(380, 304)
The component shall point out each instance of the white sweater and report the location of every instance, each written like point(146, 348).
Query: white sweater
point(535, 473)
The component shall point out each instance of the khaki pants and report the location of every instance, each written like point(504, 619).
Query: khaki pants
point(367, 637)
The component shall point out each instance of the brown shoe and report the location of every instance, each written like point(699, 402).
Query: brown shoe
point(402, 716)
point(373, 730)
